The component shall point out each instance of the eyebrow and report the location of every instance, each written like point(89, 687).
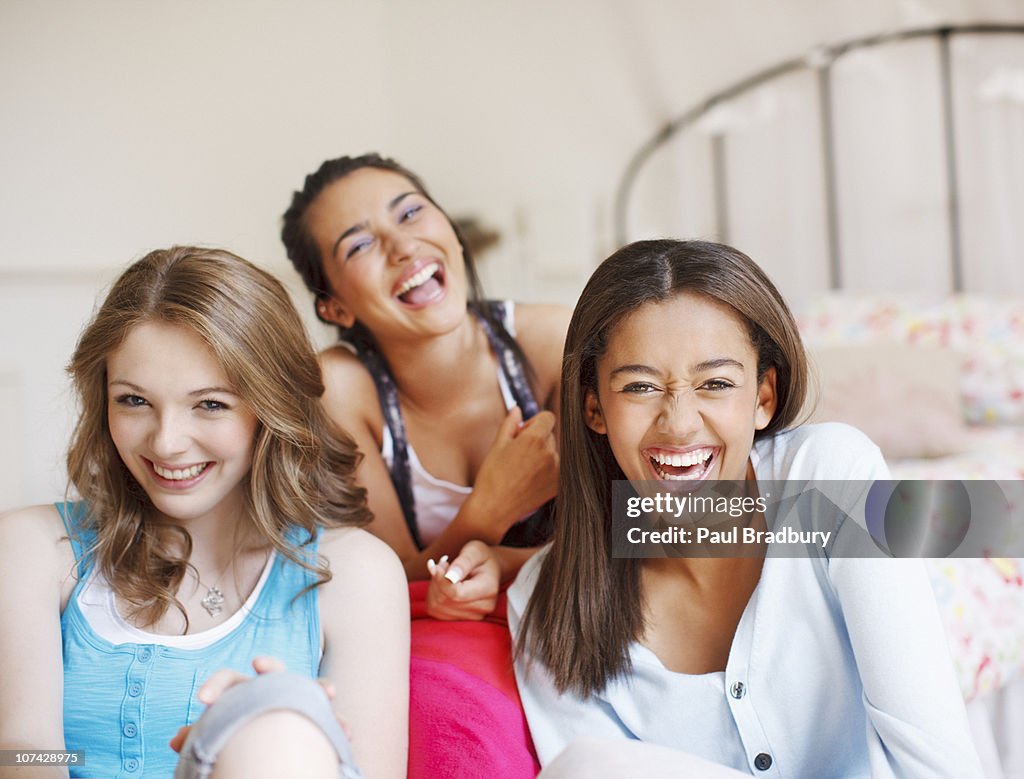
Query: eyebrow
point(362, 225)
point(646, 369)
point(701, 367)
point(193, 393)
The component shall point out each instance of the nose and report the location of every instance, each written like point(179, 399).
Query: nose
point(680, 414)
point(400, 246)
point(169, 436)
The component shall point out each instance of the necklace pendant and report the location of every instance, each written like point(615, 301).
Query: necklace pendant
point(213, 601)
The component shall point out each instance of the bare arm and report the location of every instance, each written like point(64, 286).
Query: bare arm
point(364, 612)
point(541, 334)
point(34, 568)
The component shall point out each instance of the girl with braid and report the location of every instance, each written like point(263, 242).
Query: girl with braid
point(448, 396)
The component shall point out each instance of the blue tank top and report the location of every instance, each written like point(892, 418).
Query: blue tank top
point(124, 702)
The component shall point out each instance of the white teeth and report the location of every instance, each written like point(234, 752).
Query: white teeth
point(419, 278)
point(681, 459)
point(179, 474)
point(675, 477)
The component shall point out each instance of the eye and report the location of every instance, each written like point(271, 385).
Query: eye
point(132, 401)
point(212, 405)
point(639, 388)
point(358, 247)
point(717, 385)
point(409, 212)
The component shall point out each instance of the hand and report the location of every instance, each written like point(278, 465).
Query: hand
point(519, 473)
point(225, 678)
point(467, 588)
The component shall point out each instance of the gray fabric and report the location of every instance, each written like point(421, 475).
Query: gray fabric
point(246, 701)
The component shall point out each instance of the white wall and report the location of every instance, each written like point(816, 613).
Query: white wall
point(126, 126)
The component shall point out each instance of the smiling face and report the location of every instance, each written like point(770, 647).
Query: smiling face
point(677, 393)
point(392, 257)
point(177, 423)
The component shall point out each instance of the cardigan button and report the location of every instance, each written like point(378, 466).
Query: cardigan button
point(763, 761)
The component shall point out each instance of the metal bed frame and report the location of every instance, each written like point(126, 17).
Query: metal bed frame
point(819, 60)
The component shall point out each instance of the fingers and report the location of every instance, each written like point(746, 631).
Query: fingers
point(442, 565)
point(178, 741)
point(475, 587)
point(221, 680)
point(542, 423)
point(448, 608)
point(328, 687)
point(471, 556)
point(510, 425)
point(264, 664)
point(344, 727)
point(474, 592)
point(218, 682)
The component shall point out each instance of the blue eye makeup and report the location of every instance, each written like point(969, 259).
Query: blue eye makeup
point(357, 247)
point(409, 212)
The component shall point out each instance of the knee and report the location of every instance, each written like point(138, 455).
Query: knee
point(272, 725)
point(275, 744)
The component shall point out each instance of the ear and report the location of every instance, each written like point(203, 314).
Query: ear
point(334, 311)
point(592, 413)
point(767, 400)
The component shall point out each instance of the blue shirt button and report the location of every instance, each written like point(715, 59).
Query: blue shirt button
point(135, 689)
point(145, 654)
point(738, 690)
point(130, 730)
point(763, 761)
point(131, 765)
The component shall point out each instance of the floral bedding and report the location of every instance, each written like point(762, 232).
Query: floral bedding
point(981, 601)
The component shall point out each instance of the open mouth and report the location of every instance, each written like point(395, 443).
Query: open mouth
point(180, 477)
point(424, 286)
point(691, 465)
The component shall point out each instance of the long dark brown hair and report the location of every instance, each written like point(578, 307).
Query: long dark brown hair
point(302, 467)
point(587, 607)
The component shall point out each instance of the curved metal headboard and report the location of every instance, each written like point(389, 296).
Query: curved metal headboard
point(821, 60)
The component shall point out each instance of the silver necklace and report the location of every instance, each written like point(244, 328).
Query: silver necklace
point(213, 601)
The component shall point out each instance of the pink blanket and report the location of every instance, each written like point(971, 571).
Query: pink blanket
point(465, 718)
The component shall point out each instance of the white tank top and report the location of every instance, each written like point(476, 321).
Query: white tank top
point(97, 604)
point(438, 501)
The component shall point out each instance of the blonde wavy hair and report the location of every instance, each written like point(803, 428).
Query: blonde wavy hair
point(302, 468)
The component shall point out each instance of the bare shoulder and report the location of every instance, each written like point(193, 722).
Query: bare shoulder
point(34, 546)
point(542, 325)
point(38, 526)
point(540, 331)
point(357, 555)
point(350, 396)
point(341, 367)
